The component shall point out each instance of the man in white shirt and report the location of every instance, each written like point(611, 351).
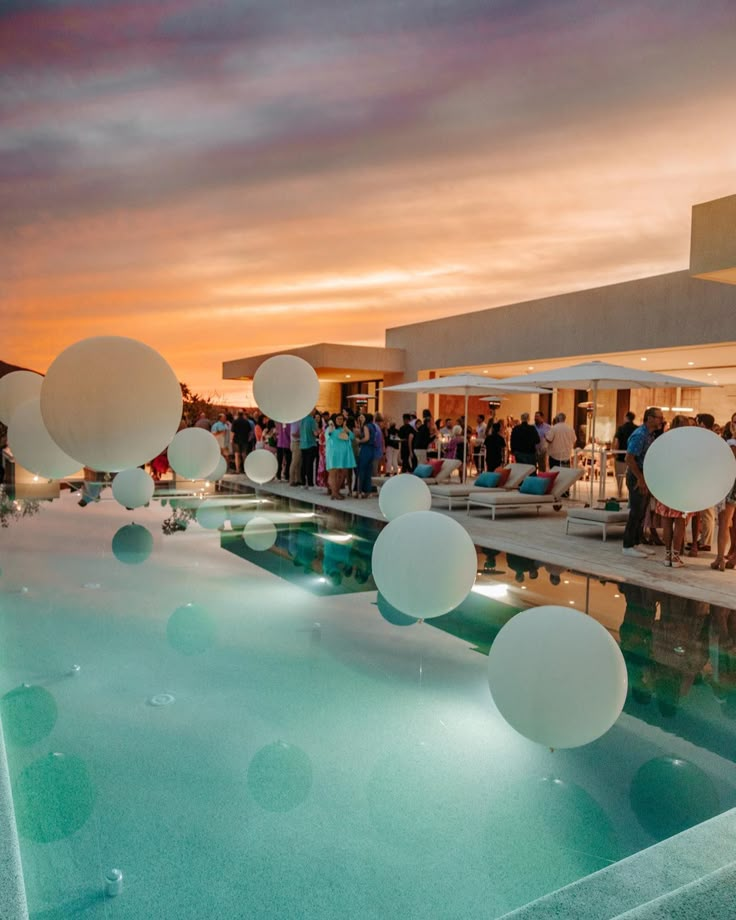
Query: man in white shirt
point(560, 442)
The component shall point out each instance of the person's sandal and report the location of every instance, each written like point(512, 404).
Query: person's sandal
point(676, 562)
point(718, 564)
point(668, 557)
point(693, 552)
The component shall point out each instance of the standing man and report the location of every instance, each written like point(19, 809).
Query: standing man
point(480, 435)
point(703, 523)
point(240, 436)
point(308, 433)
point(639, 443)
point(406, 439)
point(524, 440)
point(620, 442)
point(560, 439)
point(542, 427)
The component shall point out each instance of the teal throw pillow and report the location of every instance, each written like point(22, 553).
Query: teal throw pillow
point(488, 480)
point(424, 471)
point(533, 485)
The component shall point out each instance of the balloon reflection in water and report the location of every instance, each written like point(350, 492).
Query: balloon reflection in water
point(392, 615)
point(132, 544)
point(54, 796)
point(259, 533)
point(191, 630)
point(668, 795)
point(280, 776)
point(28, 714)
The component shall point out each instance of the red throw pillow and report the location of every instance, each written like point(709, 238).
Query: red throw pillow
point(504, 472)
point(436, 466)
point(551, 477)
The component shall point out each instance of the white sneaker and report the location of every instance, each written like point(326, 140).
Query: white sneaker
point(633, 551)
point(647, 550)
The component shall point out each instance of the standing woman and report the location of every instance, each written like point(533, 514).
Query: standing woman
point(367, 442)
point(674, 522)
point(321, 448)
point(495, 444)
point(392, 449)
point(339, 456)
point(725, 510)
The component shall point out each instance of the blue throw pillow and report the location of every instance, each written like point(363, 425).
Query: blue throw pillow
point(534, 485)
point(488, 480)
point(423, 471)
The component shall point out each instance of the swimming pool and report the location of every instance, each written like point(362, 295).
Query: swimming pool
point(246, 733)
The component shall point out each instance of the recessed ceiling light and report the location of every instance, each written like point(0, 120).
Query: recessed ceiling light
point(348, 376)
point(642, 359)
point(571, 602)
point(531, 367)
point(567, 581)
point(691, 364)
point(709, 374)
point(485, 372)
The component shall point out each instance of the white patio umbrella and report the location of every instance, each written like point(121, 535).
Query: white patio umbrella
point(599, 375)
point(464, 385)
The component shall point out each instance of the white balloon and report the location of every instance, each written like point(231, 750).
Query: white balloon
point(689, 469)
point(211, 515)
point(111, 402)
point(219, 471)
point(15, 388)
point(424, 563)
point(193, 453)
point(260, 466)
point(260, 534)
point(133, 488)
point(32, 445)
point(286, 388)
point(402, 494)
point(557, 676)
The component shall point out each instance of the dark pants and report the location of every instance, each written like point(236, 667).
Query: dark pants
point(408, 460)
point(638, 502)
point(309, 459)
point(365, 469)
point(525, 458)
point(553, 463)
point(283, 458)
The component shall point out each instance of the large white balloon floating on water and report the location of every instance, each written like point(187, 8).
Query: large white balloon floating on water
point(260, 466)
point(111, 403)
point(193, 453)
point(402, 494)
point(133, 488)
point(15, 388)
point(689, 469)
point(557, 676)
point(259, 533)
point(32, 445)
point(286, 388)
point(424, 564)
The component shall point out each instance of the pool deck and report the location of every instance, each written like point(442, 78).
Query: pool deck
point(542, 537)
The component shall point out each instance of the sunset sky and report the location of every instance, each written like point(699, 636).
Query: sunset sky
point(221, 178)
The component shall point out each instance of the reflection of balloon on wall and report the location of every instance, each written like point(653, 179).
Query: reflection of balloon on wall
point(259, 533)
point(409, 555)
point(27, 714)
point(191, 630)
point(132, 544)
point(689, 468)
point(53, 796)
point(402, 494)
point(32, 445)
point(286, 388)
point(133, 488)
point(279, 776)
point(668, 795)
point(193, 453)
point(543, 663)
point(260, 466)
point(15, 388)
point(111, 402)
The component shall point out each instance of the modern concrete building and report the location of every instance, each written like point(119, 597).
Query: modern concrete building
point(679, 322)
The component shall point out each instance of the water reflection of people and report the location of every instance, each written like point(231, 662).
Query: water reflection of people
point(635, 636)
point(522, 566)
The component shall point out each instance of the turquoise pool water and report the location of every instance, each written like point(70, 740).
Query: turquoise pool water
point(248, 733)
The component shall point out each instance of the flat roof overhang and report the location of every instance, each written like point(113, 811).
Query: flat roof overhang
point(331, 361)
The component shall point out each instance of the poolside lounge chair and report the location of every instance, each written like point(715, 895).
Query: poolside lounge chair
point(448, 468)
point(449, 492)
point(597, 517)
point(512, 501)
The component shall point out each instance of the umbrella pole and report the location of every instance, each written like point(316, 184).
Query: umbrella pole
point(465, 436)
point(592, 442)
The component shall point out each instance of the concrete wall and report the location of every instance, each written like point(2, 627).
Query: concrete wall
point(666, 311)
point(713, 240)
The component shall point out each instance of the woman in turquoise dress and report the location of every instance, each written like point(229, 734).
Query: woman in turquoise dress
point(339, 455)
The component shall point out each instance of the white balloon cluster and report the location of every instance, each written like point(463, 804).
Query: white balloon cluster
point(16, 388)
point(193, 453)
point(557, 676)
point(410, 552)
